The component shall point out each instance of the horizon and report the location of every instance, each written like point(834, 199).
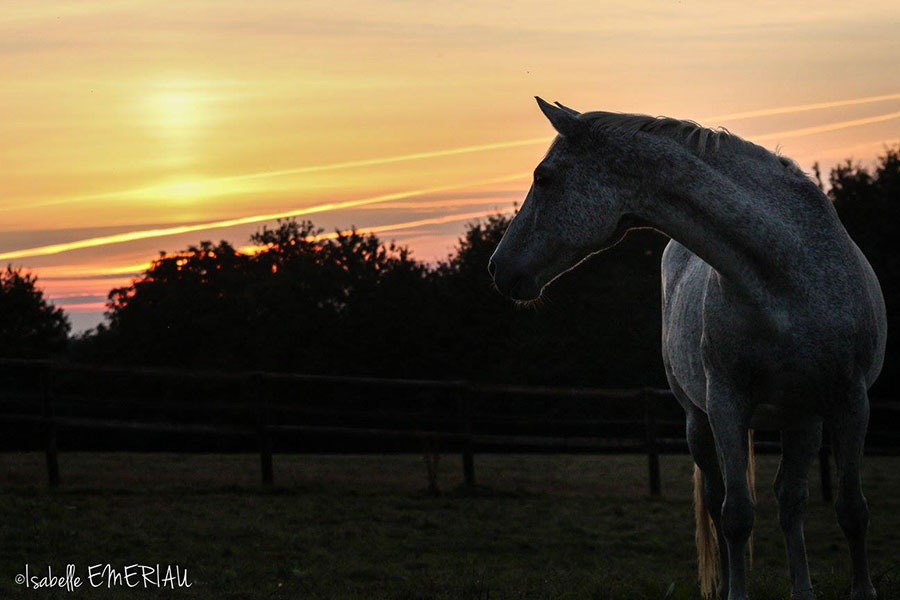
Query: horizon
point(208, 120)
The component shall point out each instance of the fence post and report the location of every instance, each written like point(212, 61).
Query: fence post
point(650, 441)
point(825, 470)
point(257, 394)
point(50, 424)
point(468, 455)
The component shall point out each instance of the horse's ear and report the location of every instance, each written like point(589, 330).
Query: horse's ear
point(571, 111)
point(563, 121)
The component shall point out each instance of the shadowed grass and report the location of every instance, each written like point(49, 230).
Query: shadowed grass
point(348, 527)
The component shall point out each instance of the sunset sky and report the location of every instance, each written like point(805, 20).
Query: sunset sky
point(132, 127)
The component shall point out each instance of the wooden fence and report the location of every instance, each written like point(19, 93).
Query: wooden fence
point(41, 389)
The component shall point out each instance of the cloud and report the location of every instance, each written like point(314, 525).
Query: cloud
point(131, 236)
point(216, 186)
point(87, 307)
point(181, 229)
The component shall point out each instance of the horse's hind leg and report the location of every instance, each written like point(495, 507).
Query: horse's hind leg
point(799, 446)
point(703, 450)
point(848, 428)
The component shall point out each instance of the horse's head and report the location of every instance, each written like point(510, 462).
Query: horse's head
point(572, 210)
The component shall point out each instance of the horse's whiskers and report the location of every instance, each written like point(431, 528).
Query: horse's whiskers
point(535, 303)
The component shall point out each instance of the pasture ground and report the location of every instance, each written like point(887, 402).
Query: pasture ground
point(353, 527)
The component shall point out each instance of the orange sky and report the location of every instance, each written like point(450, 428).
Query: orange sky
point(132, 127)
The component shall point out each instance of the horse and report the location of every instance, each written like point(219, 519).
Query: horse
point(772, 317)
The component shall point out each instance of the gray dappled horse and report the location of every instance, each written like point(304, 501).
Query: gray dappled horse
point(772, 317)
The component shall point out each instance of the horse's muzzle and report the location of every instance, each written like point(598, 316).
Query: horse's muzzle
point(513, 281)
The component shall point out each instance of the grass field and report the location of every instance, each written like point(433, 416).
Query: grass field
point(363, 527)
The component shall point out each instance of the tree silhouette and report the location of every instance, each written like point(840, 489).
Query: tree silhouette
point(30, 327)
point(300, 301)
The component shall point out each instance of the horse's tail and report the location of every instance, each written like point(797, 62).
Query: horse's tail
point(705, 536)
point(751, 483)
point(705, 533)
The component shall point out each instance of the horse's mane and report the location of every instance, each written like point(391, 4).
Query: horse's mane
point(689, 134)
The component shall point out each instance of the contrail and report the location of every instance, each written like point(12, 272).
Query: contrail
point(767, 112)
point(431, 204)
point(415, 224)
point(132, 236)
point(105, 273)
point(163, 189)
point(823, 128)
point(389, 228)
point(820, 153)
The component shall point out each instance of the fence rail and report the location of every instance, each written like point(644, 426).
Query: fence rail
point(48, 409)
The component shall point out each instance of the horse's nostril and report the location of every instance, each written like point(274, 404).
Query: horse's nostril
point(492, 268)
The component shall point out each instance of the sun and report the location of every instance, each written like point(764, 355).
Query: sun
point(175, 114)
point(176, 111)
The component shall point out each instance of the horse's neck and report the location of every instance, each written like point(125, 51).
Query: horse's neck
point(748, 242)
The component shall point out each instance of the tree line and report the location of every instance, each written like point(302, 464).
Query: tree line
point(352, 304)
